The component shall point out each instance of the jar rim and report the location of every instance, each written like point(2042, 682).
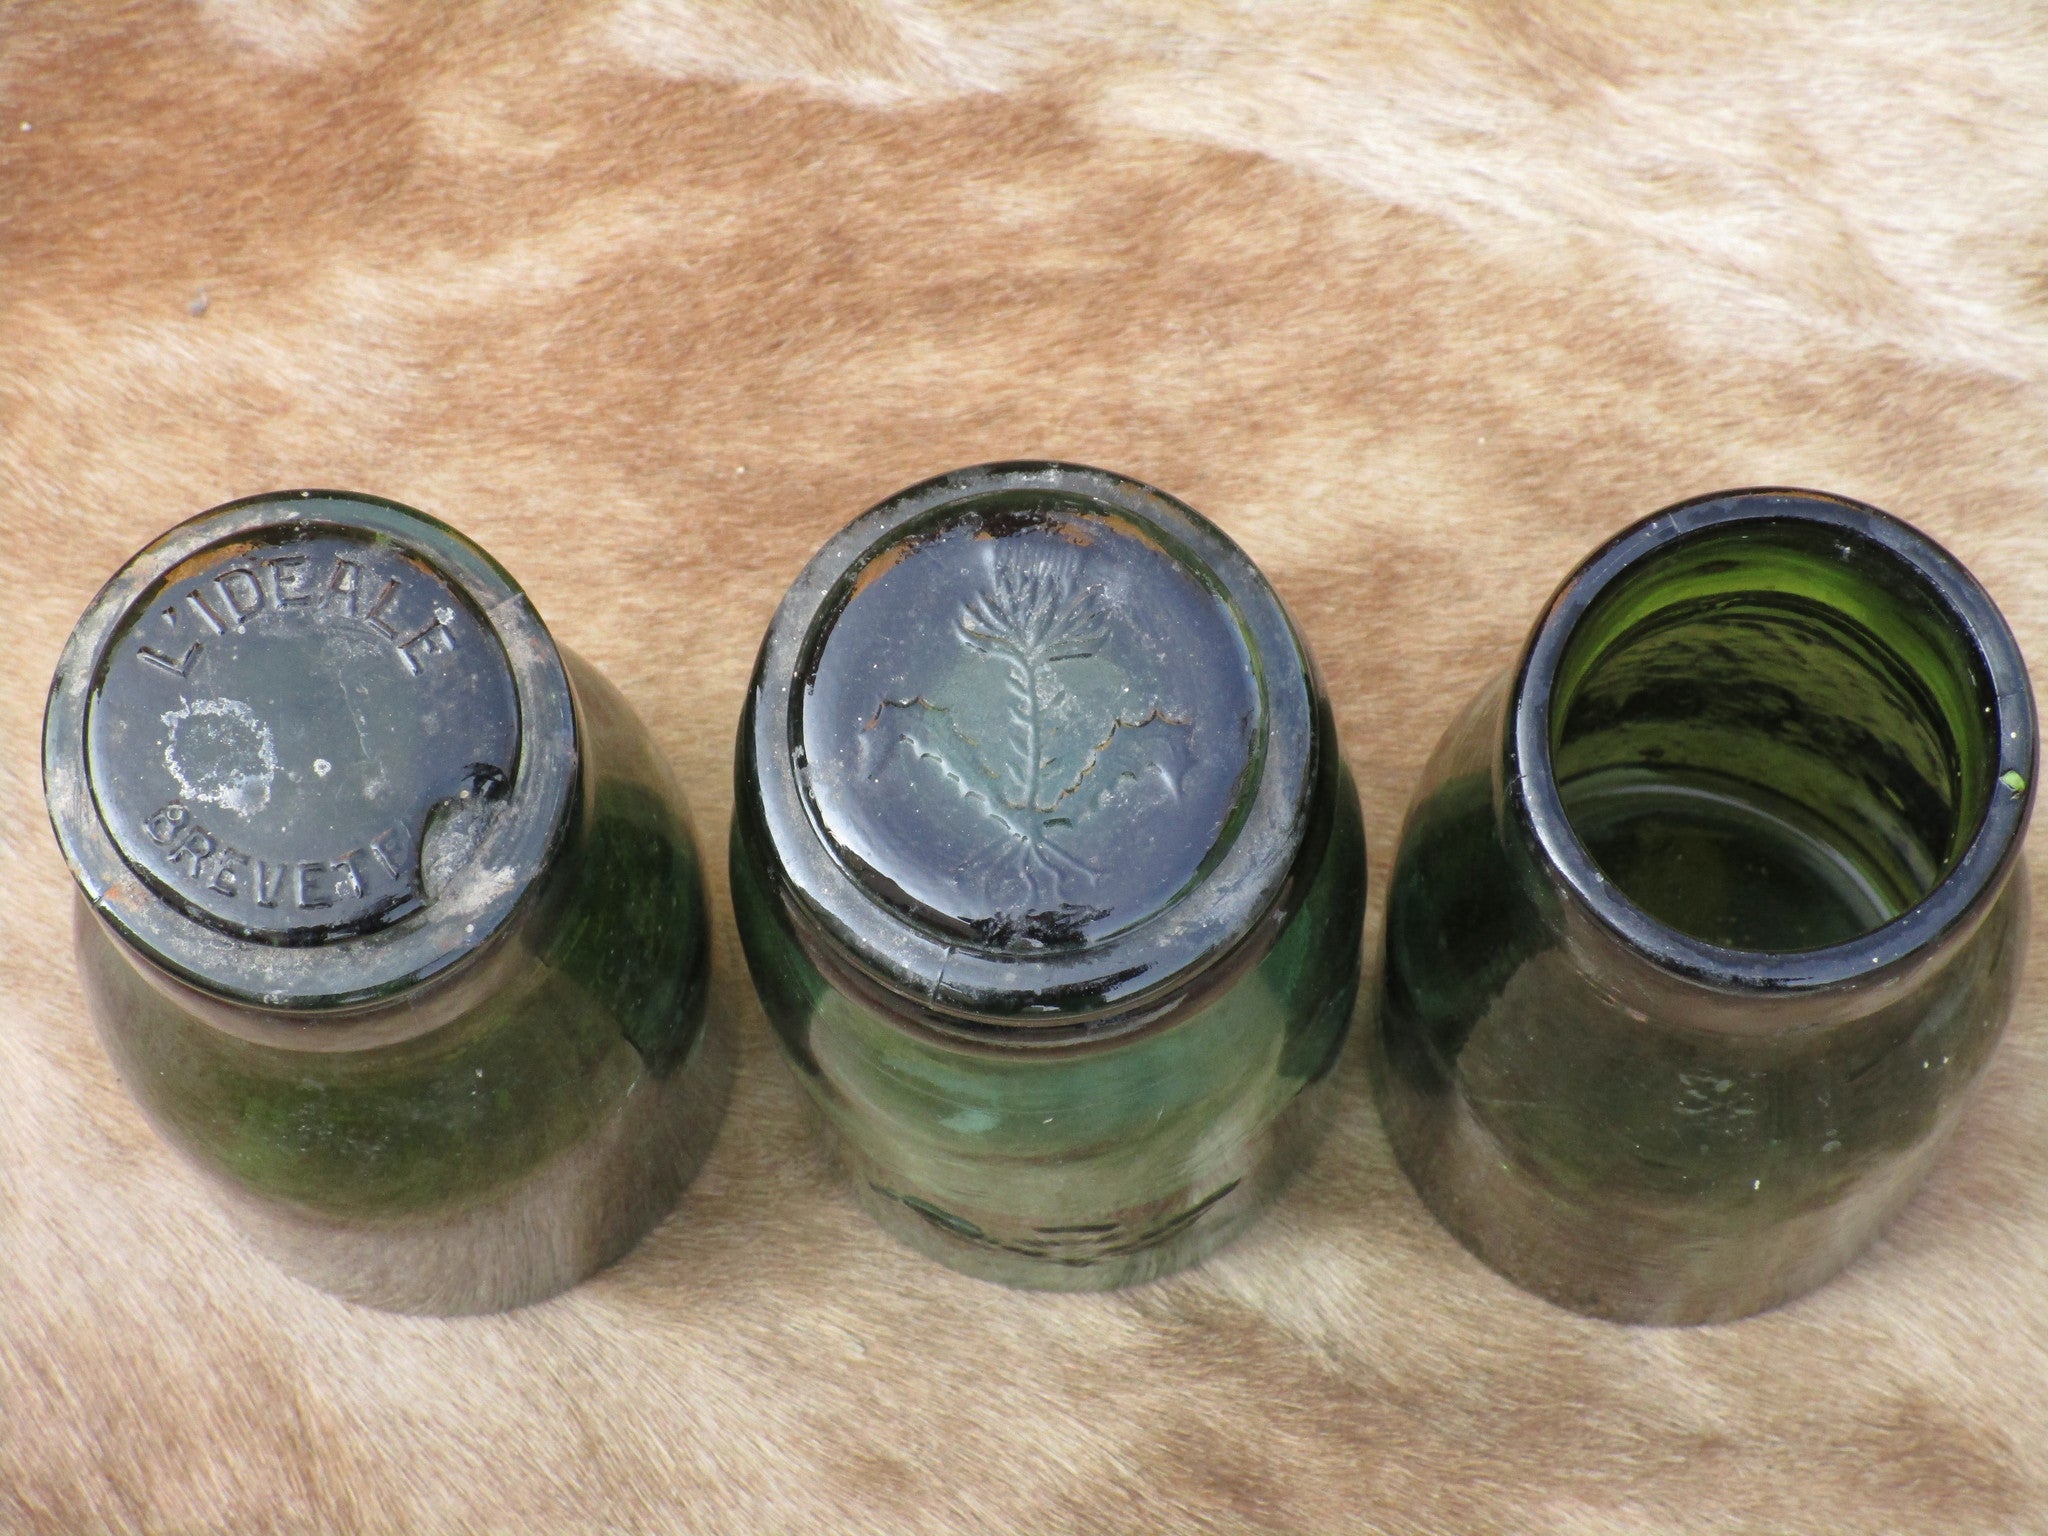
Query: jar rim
point(351, 969)
point(1959, 892)
point(1107, 987)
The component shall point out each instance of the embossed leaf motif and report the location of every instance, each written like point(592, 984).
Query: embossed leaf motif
point(1060, 759)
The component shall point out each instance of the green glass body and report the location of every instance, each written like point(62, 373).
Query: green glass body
point(1049, 872)
point(1085, 1165)
point(490, 1136)
point(1708, 913)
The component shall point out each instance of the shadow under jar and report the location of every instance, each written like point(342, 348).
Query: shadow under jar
point(1048, 872)
point(390, 917)
point(1707, 914)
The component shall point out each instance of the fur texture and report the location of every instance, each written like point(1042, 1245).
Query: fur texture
point(1418, 300)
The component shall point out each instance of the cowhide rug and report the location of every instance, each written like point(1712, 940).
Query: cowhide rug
point(1418, 300)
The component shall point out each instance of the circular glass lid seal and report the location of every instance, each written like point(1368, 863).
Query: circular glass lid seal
point(308, 748)
point(1045, 743)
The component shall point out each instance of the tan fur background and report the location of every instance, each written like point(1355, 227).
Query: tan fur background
point(1418, 300)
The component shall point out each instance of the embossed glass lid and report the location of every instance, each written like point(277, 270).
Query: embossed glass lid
point(308, 748)
point(1042, 744)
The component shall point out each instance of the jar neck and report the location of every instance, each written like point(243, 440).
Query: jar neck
point(1768, 750)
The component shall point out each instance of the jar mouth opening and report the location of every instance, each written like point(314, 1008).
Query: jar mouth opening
point(1774, 739)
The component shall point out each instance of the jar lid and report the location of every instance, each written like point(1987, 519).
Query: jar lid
point(308, 748)
point(1034, 741)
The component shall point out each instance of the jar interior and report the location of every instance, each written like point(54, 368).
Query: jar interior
point(1773, 735)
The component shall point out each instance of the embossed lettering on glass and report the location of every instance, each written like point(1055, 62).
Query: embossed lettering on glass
point(1048, 872)
point(1708, 913)
point(390, 917)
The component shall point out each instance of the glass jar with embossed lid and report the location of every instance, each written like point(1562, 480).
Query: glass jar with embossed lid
point(389, 915)
point(1049, 872)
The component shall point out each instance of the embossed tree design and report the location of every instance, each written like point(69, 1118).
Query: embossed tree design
point(1035, 616)
point(1031, 619)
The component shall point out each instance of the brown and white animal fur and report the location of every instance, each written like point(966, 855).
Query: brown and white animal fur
point(1418, 300)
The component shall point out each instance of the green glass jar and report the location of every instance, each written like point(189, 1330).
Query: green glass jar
point(1707, 915)
point(390, 917)
point(1048, 872)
